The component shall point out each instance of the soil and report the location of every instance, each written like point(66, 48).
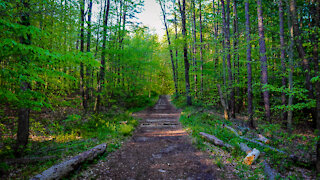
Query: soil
point(159, 149)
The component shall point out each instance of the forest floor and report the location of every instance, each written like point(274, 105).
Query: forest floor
point(159, 149)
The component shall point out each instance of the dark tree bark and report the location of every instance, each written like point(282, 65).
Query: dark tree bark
point(201, 47)
point(169, 45)
point(89, 68)
point(291, 66)
point(23, 112)
point(226, 24)
point(264, 62)
point(283, 64)
point(101, 77)
point(194, 53)
point(82, 83)
point(185, 50)
point(236, 63)
point(176, 49)
point(315, 37)
point(250, 96)
point(302, 54)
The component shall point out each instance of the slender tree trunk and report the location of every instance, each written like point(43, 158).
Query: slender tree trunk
point(316, 11)
point(176, 49)
point(99, 25)
point(23, 112)
point(283, 64)
point(302, 54)
point(194, 33)
point(250, 96)
point(264, 62)
point(226, 24)
point(82, 83)
point(103, 62)
point(201, 47)
point(169, 45)
point(236, 57)
point(89, 68)
point(185, 50)
point(291, 66)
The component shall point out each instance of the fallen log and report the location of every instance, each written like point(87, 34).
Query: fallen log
point(253, 141)
point(268, 171)
point(251, 157)
point(215, 140)
point(263, 139)
point(245, 148)
point(60, 170)
point(233, 130)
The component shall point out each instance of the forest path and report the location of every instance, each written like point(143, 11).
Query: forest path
point(159, 149)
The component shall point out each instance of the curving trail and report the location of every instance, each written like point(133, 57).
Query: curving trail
point(159, 149)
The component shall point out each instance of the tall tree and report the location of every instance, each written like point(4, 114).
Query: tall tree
point(82, 83)
point(291, 66)
point(302, 54)
point(169, 45)
point(283, 64)
point(249, 71)
point(101, 77)
point(226, 24)
point(185, 50)
point(201, 46)
point(88, 71)
point(23, 113)
point(194, 55)
point(236, 62)
point(264, 62)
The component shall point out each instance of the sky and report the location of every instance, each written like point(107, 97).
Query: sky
point(151, 17)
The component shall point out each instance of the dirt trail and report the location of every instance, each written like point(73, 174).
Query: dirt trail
point(159, 149)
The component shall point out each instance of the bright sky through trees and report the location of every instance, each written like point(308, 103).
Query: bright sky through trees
point(151, 17)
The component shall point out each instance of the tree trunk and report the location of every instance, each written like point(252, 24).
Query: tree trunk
point(185, 50)
point(283, 64)
point(236, 61)
point(194, 57)
point(176, 48)
point(291, 66)
point(302, 54)
point(223, 103)
point(249, 84)
point(315, 37)
point(89, 68)
point(23, 112)
point(82, 83)
point(103, 63)
point(226, 24)
point(264, 62)
point(201, 48)
point(169, 45)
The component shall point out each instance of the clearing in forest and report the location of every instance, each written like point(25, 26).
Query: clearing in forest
point(159, 149)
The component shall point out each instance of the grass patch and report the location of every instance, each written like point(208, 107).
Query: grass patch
point(198, 119)
point(65, 139)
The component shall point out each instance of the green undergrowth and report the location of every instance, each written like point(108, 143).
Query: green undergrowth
point(198, 119)
point(63, 140)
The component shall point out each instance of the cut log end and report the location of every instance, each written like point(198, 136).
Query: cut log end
point(251, 157)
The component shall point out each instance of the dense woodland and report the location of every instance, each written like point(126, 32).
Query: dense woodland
point(257, 61)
